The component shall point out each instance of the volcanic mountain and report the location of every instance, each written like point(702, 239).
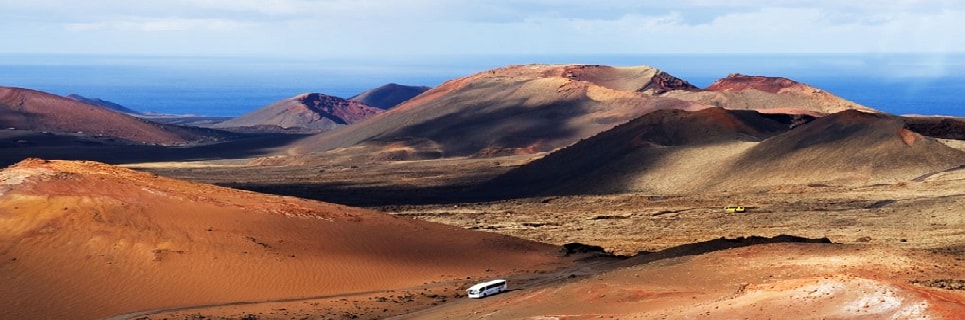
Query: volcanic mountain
point(388, 96)
point(102, 103)
point(538, 108)
point(25, 109)
point(87, 240)
point(512, 110)
point(669, 152)
point(769, 94)
point(308, 111)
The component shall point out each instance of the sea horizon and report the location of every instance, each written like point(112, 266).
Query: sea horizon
point(919, 84)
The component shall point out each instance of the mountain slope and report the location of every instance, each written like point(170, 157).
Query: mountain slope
point(530, 109)
point(25, 109)
point(848, 147)
point(769, 94)
point(102, 103)
point(88, 240)
point(513, 110)
point(388, 96)
point(719, 150)
point(601, 162)
point(309, 111)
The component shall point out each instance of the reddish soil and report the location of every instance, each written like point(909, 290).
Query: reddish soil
point(24, 109)
point(739, 82)
point(851, 215)
point(513, 110)
point(86, 240)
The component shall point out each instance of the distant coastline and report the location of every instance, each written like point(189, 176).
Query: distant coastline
point(231, 86)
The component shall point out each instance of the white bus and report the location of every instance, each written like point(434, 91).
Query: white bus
point(483, 289)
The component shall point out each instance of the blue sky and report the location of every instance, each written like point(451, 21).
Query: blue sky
point(387, 29)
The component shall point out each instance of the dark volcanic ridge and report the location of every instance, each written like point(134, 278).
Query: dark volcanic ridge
point(390, 95)
point(312, 112)
point(103, 103)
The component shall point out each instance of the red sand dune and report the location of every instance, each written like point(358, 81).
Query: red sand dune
point(309, 111)
point(25, 109)
point(87, 240)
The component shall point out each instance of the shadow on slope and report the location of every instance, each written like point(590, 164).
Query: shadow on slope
point(703, 247)
point(478, 131)
point(92, 237)
point(18, 145)
point(589, 166)
point(848, 147)
point(937, 127)
point(715, 150)
point(519, 109)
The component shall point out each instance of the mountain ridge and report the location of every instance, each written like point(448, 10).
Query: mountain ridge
point(307, 111)
point(529, 109)
point(27, 109)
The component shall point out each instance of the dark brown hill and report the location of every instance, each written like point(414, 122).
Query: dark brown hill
point(102, 103)
point(595, 158)
point(715, 150)
point(305, 112)
point(390, 95)
point(25, 109)
point(938, 127)
point(512, 110)
point(848, 147)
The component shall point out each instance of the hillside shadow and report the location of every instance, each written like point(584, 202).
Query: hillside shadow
point(720, 244)
point(611, 159)
point(471, 132)
point(370, 196)
point(38, 145)
point(608, 262)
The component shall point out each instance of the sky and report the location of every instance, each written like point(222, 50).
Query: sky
point(390, 29)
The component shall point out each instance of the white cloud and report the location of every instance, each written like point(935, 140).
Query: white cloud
point(158, 24)
point(351, 27)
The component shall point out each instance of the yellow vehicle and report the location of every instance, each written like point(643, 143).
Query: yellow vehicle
point(734, 209)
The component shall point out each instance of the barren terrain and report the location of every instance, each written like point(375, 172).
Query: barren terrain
point(597, 192)
point(896, 250)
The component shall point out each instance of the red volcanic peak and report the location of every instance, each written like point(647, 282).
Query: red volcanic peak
point(347, 110)
point(307, 111)
point(740, 82)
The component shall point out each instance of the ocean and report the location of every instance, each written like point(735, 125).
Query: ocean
point(231, 86)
